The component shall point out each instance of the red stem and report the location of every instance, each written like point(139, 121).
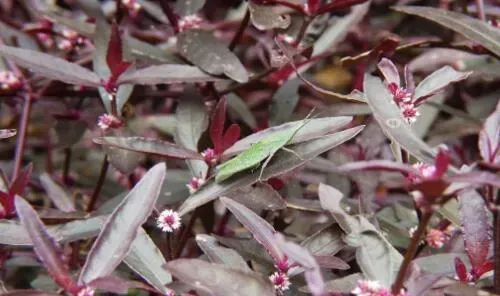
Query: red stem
point(171, 16)
point(338, 5)
point(98, 187)
point(241, 29)
point(22, 135)
point(410, 252)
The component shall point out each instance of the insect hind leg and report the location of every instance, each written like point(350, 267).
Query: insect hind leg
point(293, 152)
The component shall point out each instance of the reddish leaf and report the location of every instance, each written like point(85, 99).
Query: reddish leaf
point(487, 266)
point(217, 125)
point(474, 220)
point(441, 162)
point(460, 269)
point(45, 245)
point(262, 231)
point(21, 181)
point(122, 226)
point(231, 136)
point(114, 56)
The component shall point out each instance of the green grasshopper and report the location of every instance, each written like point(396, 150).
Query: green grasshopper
point(263, 150)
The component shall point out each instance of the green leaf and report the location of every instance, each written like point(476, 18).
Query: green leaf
point(472, 28)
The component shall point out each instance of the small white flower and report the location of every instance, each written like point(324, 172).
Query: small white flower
point(168, 221)
point(410, 112)
point(86, 291)
point(280, 281)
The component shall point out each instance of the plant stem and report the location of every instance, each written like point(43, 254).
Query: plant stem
point(67, 163)
point(303, 28)
point(241, 29)
point(22, 135)
point(185, 234)
point(496, 238)
point(98, 187)
point(480, 10)
point(410, 252)
point(172, 18)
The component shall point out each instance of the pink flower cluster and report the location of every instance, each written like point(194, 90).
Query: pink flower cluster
point(133, 7)
point(402, 96)
point(9, 81)
point(373, 288)
point(195, 184)
point(107, 121)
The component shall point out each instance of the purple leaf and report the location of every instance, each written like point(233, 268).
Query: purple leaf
point(389, 71)
point(438, 80)
point(331, 262)
point(148, 146)
point(391, 121)
point(281, 163)
point(489, 138)
point(219, 254)
point(51, 67)
point(166, 74)
point(474, 29)
point(262, 196)
point(301, 256)
point(377, 165)
point(284, 101)
point(147, 260)
point(218, 279)
point(15, 235)
point(191, 123)
point(27, 293)
point(266, 17)
point(231, 135)
point(315, 128)
point(204, 50)
point(185, 8)
point(217, 123)
point(7, 133)
point(327, 241)
point(57, 194)
point(330, 198)
point(261, 230)
point(240, 108)
point(112, 284)
point(477, 178)
point(119, 231)
point(46, 247)
point(114, 55)
point(475, 227)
